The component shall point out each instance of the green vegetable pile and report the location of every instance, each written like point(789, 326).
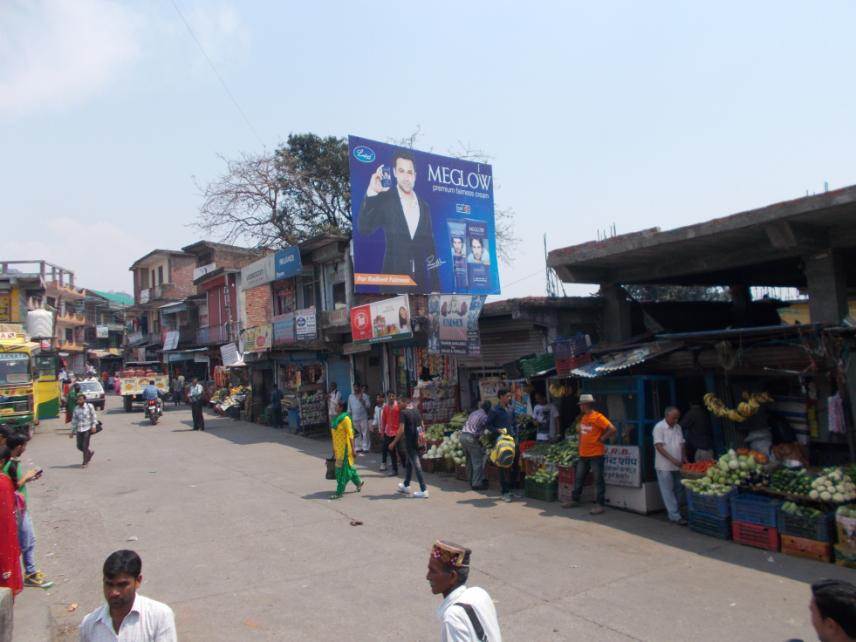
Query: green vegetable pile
point(544, 476)
point(791, 481)
point(706, 486)
point(563, 453)
point(802, 511)
point(457, 421)
point(846, 511)
point(435, 432)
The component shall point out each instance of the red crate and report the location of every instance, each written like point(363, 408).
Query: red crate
point(568, 474)
point(765, 537)
point(531, 466)
point(565, 491)
point(808, 548)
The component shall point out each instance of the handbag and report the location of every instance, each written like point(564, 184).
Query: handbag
point(331, 468)
point(98, 427)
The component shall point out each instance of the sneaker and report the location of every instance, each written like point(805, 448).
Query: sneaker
point(507, 498)
point(597, 510)
point(37, 580)
point(404, 490)
point(360, 487)
point(421, 494)
point(383, 467)
point(336, 496)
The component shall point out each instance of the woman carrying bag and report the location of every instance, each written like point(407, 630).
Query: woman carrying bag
point(342, 433)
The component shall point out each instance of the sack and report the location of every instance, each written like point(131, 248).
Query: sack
point(502, 454)
point(97, 428)
point(331, 468)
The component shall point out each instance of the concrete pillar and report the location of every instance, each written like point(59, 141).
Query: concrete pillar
point(827, 287)
point(617, 324)
point(741, 298)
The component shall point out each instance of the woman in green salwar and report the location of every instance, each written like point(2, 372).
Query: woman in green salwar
point(342, 432)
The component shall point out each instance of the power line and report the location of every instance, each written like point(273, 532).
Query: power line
point(528, 276)
point(217, 73)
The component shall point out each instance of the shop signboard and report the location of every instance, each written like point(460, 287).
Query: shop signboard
point(229, 354)
point(621, 466)
point(102, 332)
point(382, 320)
point(170, 341)
point(258, 338)
point(287, 263)
point(283, 329)
point(445, 242)
point(454, 324)
point(305, 324)
point(258, 272)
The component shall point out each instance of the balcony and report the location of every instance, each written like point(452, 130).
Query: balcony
point(71, 319)
point(214, 335)
point(336, 320)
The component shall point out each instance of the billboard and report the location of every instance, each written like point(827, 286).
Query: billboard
point(423, 223)
point(287, 263)
point(382, 321)
point(258, 272)
point(454, 324)
point(258, 338)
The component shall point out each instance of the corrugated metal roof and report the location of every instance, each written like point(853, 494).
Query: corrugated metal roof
point(625, 359)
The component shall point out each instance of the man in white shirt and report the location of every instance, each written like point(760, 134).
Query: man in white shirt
point(466, 614)
point(196, 393)
point(671, 454)
point(358, 407)
point(546, 415)
point(83, 421)
point(127, 615)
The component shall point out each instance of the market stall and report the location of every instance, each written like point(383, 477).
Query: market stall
point(304, 399)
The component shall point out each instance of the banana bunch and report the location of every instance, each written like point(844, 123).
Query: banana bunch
point(557, 391)
point(749, 406)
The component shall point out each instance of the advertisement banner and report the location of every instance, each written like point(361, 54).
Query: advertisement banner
point(102, 332)
point(258, 272)
point(287, 263)
point(423, 223)
point(305, 325)
point(382, 321)
point(454, 324)
point(258, 338)
point(283, 329)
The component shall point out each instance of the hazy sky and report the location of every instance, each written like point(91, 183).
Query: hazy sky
point(635, 113)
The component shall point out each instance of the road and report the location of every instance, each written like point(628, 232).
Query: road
point(238, 535)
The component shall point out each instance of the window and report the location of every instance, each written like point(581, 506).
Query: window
point(160, 275)
point(307, 291)
point(69, 335)
point(339, 298)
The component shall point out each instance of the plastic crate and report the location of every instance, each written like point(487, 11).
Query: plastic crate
point(706, 524)
point(750, 508)
point(461, 472)
point(544, 492)
point(808, 548)
point(567, 475)
point(531, 466)
point(819, 529)
point(717, 507)
point(749, 534)
point(565, 491)
point(428, 464)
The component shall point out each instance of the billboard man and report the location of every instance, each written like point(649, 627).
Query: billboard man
point(406, 222)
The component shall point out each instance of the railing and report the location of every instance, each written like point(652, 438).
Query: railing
point(214, 335)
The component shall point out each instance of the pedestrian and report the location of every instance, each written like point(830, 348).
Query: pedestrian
point(546, 416)
point(342, 433)
point(670, 454)
point(17, 444)
point(471, 435)
point(833, 610)
point(377, 414)
point(82, 423)
point(71, 401)
point(127, 615)
point(594, 430)
point(698, 432)
point(196, 392)
point(467, 614)
point(359, 405)
point(501, 418)
point(276, 407)
point(408, 435)
point(10, 549)
point(333, 399)
point(389, 419)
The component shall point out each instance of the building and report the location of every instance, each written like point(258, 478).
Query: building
point(22, 288)
point(104, 331)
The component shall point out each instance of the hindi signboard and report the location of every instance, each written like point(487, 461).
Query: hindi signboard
point(305, 324)
point(621, 466)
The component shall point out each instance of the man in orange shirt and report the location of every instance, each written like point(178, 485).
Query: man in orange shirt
point(594, 430)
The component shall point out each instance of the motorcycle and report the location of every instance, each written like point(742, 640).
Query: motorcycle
point(153, 411)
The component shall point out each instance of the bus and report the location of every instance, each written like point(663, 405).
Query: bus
point(29, 390)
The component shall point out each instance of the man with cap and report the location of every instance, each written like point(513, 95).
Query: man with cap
point(594, 430)
point(466, 614)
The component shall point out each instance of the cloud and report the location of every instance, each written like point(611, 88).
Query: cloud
point(60, 52)
point(98, 252)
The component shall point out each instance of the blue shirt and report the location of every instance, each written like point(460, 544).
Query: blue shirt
point(150, 392)
point(500, 418)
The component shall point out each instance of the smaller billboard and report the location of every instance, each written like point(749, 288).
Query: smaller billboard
point(454, 324)
point(283, 329)
point(229, 354)
point(287, 263)
point(382, 320)
point(102, 332)
point(305, 324)
point(258, 272)
point(258, 338)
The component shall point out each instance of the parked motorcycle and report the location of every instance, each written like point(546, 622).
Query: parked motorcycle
point(153, 411)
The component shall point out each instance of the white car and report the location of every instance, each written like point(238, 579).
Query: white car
point(94, 393)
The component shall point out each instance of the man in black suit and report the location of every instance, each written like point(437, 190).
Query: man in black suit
point(406, 221)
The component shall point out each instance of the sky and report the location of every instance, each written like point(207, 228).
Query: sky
point(637, 115)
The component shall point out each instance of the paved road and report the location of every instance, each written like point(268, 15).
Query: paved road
point(237, 534)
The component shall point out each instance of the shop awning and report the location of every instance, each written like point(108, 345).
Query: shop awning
point(104, 354)
point(625, 359)
point(172, 308)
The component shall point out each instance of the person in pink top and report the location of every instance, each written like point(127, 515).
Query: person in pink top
point(389, 419)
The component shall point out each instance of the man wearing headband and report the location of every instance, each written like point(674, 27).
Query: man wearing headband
point(466, 614)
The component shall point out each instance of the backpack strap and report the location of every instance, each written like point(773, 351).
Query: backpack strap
point(474, 620)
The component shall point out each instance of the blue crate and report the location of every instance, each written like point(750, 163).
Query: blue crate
point(755, 509)
point(819, 529)
point(719, 527)
point(710, 505)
